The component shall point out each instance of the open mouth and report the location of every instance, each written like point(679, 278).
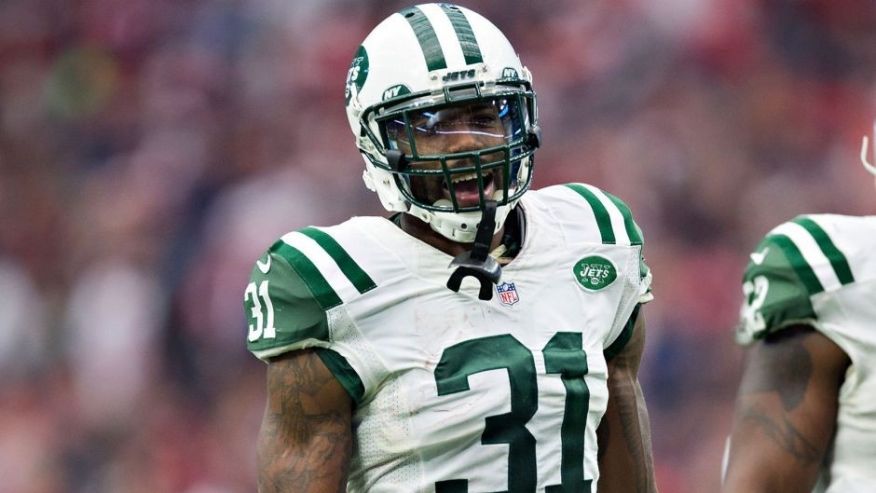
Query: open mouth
point(465, 187)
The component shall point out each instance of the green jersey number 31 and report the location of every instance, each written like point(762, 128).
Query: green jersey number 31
point(562, 355)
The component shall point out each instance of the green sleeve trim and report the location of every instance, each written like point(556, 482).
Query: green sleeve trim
point(778, 285)
point(281, 303)
point(837, 260)
point(798, 263)
point(361, 280)
point(780, 315)
point(633, 230)
point(320, 288)
point(643, 268)
point(624, 337)
point(346, 375)
point(603, 220)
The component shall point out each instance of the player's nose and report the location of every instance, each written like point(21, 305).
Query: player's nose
point(464, 140)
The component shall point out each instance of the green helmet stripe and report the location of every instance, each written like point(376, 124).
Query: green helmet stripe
point(319, 288)
point(798, 263)
point(426, 37)
point(837, 260)
point(470, 49)
point(358, 277)
point(633, 230)
point(603, 220)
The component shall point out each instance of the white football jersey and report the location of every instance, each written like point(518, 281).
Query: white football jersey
point(820, 270)
point(453, 393)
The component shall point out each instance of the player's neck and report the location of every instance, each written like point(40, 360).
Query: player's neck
point(423, 232)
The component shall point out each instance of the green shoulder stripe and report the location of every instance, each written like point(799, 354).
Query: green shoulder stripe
point(798, 263)
point(360, 279)
point(426, 36)
point(603, 220)
point(320, 289)
point(837, 260)
point(632, 228)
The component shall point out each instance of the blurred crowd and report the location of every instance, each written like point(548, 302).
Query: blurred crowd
point(150, 150)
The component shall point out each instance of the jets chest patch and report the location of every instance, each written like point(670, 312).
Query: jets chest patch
point(507, 293)
point(594, 272)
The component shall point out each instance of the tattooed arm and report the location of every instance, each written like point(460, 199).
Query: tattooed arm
point(305, 439)
point(625, 464)
point(785, 412)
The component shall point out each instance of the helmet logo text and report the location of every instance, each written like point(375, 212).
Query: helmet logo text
point(459, 75)
point(395, 91)
point(356, 75)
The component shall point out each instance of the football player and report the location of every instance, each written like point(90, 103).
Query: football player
point(482, 338)
point(806, 411)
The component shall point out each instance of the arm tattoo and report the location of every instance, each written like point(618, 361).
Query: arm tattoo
point(786, 412)
point(304, 444)
point(783, 367)
point(633, 416)
point(789, 368)
point(632, 411)
point(784, 434)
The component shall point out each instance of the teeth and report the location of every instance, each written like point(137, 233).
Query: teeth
point(469, 176)
point(465, 177)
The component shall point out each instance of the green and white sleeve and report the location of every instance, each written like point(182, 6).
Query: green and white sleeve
point(794, 262)
point(292, 288)
point(616, 226)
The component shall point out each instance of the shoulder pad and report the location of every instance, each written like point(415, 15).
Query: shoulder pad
point(795, 261)
point(282, 314)
point(613, 217)
point(292, 286)
point(593, 215)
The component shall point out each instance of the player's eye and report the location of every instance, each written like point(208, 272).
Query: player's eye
point(484, 121)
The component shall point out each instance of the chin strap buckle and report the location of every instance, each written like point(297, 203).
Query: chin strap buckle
point(477, 262)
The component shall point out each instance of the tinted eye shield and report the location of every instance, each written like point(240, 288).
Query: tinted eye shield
point(518, 94)
point(501, 138)
point(430, 131)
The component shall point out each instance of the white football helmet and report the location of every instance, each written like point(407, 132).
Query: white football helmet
point(423, 79)
point(871, 167)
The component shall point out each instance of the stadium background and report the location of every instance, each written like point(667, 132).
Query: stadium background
point(151, 149)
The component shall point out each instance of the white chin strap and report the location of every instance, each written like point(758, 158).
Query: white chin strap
point(864, 148)
point(460, 227)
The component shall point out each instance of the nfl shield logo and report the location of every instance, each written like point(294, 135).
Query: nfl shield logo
point(507, 293)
